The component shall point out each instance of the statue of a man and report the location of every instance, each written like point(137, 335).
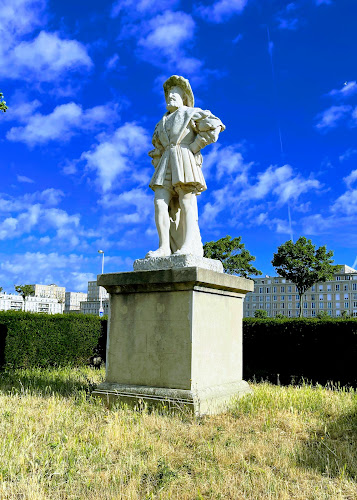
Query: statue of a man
point(178, 139)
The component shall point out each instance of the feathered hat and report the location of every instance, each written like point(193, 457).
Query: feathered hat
point(184, 84)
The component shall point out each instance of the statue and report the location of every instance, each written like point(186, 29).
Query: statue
point(178, 139)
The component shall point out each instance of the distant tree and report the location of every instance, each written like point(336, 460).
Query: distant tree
point(25, 291)
point(345, 314)
point(3, 106)
point(323, 315)
point(279, 316)
point(303, 264)
point(1, 289)
point(260, 313)
point(236, 259)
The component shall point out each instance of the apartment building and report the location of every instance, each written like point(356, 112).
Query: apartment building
point(10, 302)
point(73, 301)
point(277, 295)
point(92, 304)
point(50, 291)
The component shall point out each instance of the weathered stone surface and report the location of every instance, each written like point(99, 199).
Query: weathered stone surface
point(176, 262)
point(175, 335)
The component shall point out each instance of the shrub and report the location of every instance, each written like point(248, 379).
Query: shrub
point(319, 350)
point(42, 340)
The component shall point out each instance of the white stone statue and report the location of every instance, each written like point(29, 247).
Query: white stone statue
point(178, 139)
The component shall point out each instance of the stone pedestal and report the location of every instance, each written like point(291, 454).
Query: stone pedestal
point(175, 336)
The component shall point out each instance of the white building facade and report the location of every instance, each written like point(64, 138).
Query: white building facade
point(10, 302)
point(50, 291)
point(73, 301)
point(277, 295)
point(92, 304)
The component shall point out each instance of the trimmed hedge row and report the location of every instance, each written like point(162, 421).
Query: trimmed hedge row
point(282, 350)
point(30, 339)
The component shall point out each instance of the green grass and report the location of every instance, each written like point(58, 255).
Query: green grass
point(58, 442)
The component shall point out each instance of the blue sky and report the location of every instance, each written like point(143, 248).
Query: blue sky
point(83, 82)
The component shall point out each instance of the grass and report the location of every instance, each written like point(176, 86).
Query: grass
point(58, 442)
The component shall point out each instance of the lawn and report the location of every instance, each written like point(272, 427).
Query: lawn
point(58, 442)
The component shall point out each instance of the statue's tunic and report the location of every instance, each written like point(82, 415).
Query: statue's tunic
point(175, 164)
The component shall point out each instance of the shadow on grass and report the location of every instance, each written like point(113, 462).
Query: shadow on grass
point(63, 381)
point(331, 449)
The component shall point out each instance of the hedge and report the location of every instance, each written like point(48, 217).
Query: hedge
point(30, 339)
point(284, 350)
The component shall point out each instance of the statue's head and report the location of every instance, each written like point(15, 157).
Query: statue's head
point(178, 92)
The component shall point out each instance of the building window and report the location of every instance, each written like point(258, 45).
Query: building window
point(261, 290)
point(268, 306)
point(290, 305)
point(312, 297)
point(274, 297)
point(338, 278)
point(305, 305)
point(289, 289)
point(337, 297)
point(354, 304)
point(282, 297)
point(282, 289)
point(321, 305)
point(346, 296)
point(297, 297)
point(282, 306)
point(268, 289)
point(337, 287)
point(274, 289)
point(275, 306)
point(289, 314)
point(321, 297)
point(312, 305)
point(338, 305)
point(321, 288)
point(329, 305)
point(354, 286)
point(276, 280)
point(261, 299)
point(345, 287)
point(329, 288)
point(268, 298)
point(346, 305)
point(313, 313)
point(289, 297)
point(313, 288)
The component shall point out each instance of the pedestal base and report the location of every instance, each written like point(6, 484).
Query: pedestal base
point(210, 400)
point(175, 337)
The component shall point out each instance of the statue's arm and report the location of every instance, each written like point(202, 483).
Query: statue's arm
point(156, 153)
point(208, 128)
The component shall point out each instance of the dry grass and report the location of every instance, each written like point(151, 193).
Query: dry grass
point(57, 442)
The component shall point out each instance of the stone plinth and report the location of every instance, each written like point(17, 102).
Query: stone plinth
point(175, 336)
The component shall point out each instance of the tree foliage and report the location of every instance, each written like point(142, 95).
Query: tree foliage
point(3, 106)
point(25, 291)
point(260, 313)
point(303, 264)
point(236, 259)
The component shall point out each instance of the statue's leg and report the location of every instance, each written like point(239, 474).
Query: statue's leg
point(162, 220)
point(192, 243)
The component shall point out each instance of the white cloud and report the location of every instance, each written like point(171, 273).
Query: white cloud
point(351, 178)
point(164, 41)
point(117, 154)
point(221, 10)
point(48, 197)
point(332, 116)
point(227, 161)
point(47, 57)
point(347, 90)
point(135, 8)
point(112, 62)
point(42, 219)
point(23, 178)
point(346, 204)
point(64, 121)
point(38, 267)
point(121, 208)
point(281, 181)
point(347, 154)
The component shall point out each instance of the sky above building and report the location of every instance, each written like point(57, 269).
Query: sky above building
point(83, 82)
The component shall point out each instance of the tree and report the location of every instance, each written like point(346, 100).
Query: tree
point(260, 313)
point(231, 252)
point(3, 106)
point(25, 291)
point(1, 289)
point(304, 265)
point(323, 315)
